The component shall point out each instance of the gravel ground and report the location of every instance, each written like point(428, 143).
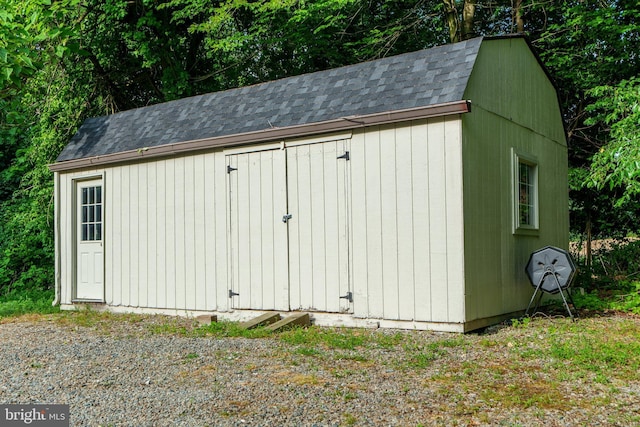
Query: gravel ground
point(125, 375)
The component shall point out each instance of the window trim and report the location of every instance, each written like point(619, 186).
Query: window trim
point(519, 158)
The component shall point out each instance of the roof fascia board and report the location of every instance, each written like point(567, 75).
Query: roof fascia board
point(341, 124)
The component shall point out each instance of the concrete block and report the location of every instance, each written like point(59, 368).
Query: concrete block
point(206, 319)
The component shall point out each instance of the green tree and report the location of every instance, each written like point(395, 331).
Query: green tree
point(617, 164)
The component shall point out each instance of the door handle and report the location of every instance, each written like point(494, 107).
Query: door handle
point(286, 218)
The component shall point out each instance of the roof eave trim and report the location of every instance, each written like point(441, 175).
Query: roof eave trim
point(341, 124)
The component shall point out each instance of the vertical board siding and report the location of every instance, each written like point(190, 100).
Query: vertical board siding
point(161, 237)
point(407, 221)
point(343, 218)
point(144, 214)
point(390, 169)
point(132, 224)
point(359, 236)
point(258, 237)
point(190, 230)
point(116, 243)
point(179, 260)
point(438, 224)
point(455, 220)
point(152, 235)
point(421, 284)
point(373, 250)
point(385, 225)
point(318, 230)
point(198, 293)
point(169, 255)
point(299, 227)
point(405, 194)
point(218, 264)
point(161, 232)
point(515, 107)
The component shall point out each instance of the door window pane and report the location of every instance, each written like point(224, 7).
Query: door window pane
point(91, 213)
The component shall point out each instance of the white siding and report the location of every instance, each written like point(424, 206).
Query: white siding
point(162, 233)
point(259, 260)
point(318, 230)
point(407, 221)
point(387, 225)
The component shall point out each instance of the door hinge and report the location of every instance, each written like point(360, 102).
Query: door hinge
point(348, 296)
point(231, 169)
point(232, 294)
point(344, 156)
point(286, 218)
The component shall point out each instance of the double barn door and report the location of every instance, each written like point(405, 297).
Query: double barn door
point(288, 216)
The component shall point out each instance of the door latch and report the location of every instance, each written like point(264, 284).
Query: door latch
point(345, 156)
point(348, 296)
point(286, 218)
point(232, 294)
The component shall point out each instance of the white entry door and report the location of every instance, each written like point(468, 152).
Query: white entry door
point(89, 241)
point(258, 230)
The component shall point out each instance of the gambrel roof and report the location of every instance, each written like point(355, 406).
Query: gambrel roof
point(344, 96)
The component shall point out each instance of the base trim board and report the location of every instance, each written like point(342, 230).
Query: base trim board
point(338, 320)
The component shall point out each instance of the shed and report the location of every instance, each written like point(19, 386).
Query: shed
point(402, 192)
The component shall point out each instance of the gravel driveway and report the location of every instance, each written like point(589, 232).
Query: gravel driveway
point(124, 375)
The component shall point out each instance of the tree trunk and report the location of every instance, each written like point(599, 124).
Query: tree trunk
point(468, 14)
point(517, 16)
point(588, 255)
point(453, 22)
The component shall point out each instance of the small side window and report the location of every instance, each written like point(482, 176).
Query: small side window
point(525, 197)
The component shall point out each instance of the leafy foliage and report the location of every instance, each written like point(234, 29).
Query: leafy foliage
point(612, 282)
point(33, 301)
point(617, 164)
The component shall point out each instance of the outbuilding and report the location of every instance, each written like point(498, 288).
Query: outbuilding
point(405, 192)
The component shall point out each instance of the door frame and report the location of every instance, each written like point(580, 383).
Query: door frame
point(75, 182)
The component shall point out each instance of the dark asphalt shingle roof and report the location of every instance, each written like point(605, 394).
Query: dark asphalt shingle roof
point(417, 79)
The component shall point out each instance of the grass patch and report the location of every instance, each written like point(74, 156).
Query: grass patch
point(27, 302)
point(308, 351)
point(226, 329)
point(526, 395)
point(349, 419)
point(598, 355)
point(421, 360)
point(102, 320)
point(328, 338)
